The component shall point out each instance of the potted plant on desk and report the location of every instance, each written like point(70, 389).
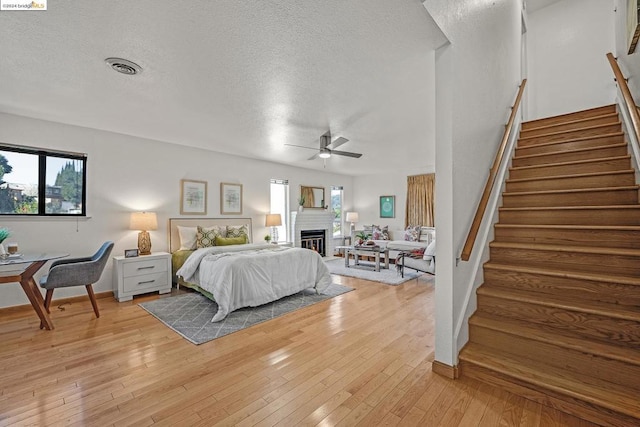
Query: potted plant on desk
point(361, 237)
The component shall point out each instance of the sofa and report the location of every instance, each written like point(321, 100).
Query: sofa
point(396, 241)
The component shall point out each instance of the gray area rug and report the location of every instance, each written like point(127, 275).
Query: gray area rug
point(190, 314)
point(366, 271)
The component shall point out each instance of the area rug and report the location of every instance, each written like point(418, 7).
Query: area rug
point(365, 270)
point(190, 314)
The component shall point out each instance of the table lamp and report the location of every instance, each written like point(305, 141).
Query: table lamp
point(274, 221)
point(144, 221)
point(352, 217)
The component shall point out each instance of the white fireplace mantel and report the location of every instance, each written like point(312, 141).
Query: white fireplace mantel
point(313, 219)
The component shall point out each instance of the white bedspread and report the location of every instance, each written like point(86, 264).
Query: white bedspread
point(253, 274)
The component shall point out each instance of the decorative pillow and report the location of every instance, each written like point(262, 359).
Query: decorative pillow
point(238, 231)
point(378, 233)
point(187, 238)
point(206, 237)
point(416, 253)
point(412, 233)
point(430, 252)
point(226, 241)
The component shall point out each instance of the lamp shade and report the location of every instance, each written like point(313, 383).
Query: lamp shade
point(143, 221)
point(273, 220)
point(352, 217)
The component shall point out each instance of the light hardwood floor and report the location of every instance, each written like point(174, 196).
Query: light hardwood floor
point(363, 358)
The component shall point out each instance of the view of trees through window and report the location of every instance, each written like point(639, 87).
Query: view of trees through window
point(336, 208)
point(23, 173)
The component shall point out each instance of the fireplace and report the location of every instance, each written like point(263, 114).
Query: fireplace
point(314, 240)
point(313, 220)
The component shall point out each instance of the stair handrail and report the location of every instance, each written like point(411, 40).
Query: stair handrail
point(632, 108)
point(493, 172)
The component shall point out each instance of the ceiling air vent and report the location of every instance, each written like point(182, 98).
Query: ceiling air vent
point(124, 66)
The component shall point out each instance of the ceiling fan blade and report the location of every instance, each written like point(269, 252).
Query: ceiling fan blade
point(315, 156)
point(301, 146)
point(338, 142)
point(346, 153)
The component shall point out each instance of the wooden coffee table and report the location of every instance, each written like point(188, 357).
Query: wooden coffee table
point(377, 252)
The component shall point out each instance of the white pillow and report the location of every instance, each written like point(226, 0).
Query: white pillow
point(430, 252)
point(187, 238)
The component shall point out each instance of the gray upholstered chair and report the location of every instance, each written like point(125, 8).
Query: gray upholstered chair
point(77, 272)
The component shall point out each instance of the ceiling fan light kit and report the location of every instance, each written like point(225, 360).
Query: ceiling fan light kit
point(327, 148)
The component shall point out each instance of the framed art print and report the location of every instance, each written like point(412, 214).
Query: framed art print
point(130, 253)
point(193, 197)
point(230, 199)
point(387, 206)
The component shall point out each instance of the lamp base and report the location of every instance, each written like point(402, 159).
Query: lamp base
point(274, 234)
point(144, 243)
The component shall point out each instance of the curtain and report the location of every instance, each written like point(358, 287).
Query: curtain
point(420, 200)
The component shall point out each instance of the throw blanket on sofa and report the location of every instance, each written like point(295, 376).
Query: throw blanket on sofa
point(252, 275)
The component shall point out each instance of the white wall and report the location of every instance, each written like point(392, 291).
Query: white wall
point(484, 64)
point(630, 64)
point(567, 66)
point(126, 174)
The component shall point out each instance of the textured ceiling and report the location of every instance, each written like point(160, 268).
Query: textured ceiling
point(240, 77)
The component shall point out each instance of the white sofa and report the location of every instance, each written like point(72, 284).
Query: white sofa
point(397, 244)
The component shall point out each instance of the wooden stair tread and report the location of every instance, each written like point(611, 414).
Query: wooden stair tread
point(578, 175)
point(551, 378)
point(622, 354)
point(577, 139)
point(570, 208)
point(570, 122)
point(571, 191)
point(571, 227)
point(572, 114)
point(613, 311)
point(568, 163)
point(590, 276)
point(567, 248)
point(573, 151)
point(551, 134)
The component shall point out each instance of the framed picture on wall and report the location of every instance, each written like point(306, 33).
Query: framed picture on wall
point(230, 199)
point(387, 206)
point(193, 197)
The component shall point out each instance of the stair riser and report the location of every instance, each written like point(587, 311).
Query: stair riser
point(570, 156)
point(586, 198)
point(612, 216)
point(548, 121)
point(571, 289)
point(572, 134)
point(584, 410)
point(586, 325)
point(561, 127)
point(572, 237)
point(595, 141)
point(568, 261)
point(568, 183)
point(600, 369)
point(608, 165)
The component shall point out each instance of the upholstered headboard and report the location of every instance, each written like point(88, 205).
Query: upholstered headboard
point(174, 238)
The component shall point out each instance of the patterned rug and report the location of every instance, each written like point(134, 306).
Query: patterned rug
point(365, 270)
point(190, 314)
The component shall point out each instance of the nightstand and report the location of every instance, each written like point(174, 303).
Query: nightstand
point(139, 275)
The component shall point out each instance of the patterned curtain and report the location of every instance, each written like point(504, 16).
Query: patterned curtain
point(420, 200)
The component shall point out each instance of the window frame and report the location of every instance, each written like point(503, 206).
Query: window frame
point(339, 219)
point(43, 154)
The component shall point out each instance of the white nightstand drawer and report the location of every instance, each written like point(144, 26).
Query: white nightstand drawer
point(146, 281)
point(141, 267)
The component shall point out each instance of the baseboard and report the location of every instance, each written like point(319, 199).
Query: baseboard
point(445, 370)
point(28, 307)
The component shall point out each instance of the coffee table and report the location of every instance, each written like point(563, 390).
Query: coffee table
point(379, 253)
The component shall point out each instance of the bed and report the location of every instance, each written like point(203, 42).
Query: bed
point(242, 274)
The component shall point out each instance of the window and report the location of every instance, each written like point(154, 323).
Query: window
point(41, 182)
point(336, 208)
point(280, 205)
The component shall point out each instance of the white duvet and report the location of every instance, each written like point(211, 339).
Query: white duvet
point(253, 274)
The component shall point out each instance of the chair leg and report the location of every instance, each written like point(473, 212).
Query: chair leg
point(92, 297)
point(47, 303)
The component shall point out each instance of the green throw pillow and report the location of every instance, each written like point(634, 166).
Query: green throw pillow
point(226, 241)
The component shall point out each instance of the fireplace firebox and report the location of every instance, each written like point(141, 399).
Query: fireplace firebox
point(314, 240)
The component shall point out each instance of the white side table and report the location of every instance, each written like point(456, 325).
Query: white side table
point(139, 275)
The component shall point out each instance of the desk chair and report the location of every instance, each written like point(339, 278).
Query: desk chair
point(76, 272)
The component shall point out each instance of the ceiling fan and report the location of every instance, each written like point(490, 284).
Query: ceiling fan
point(327, 148)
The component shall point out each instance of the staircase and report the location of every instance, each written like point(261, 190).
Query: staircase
point(558, 317)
